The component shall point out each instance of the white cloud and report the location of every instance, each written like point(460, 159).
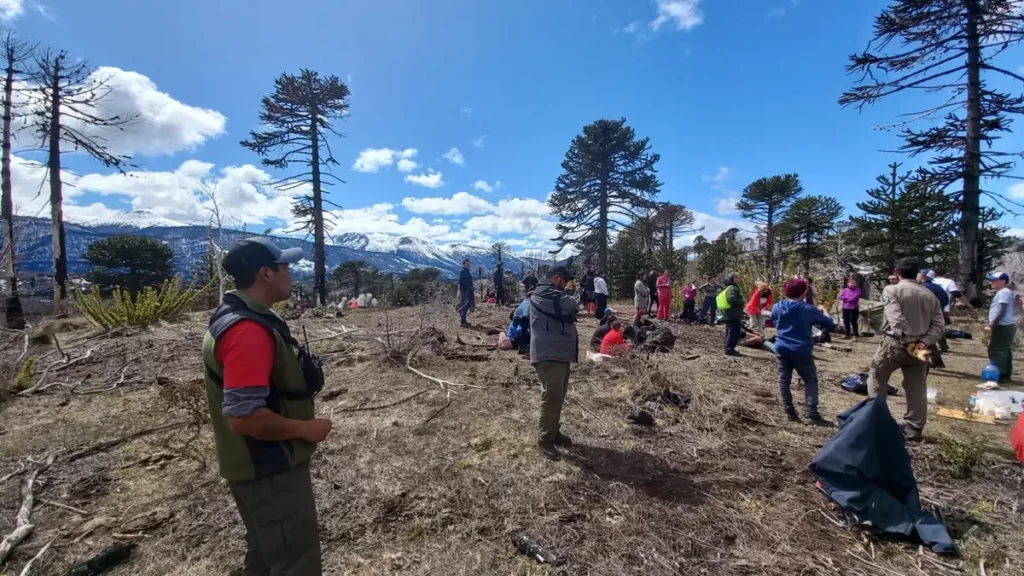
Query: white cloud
point(160, 125)
point(11, 9)
point(459, 203)
point(718, 179)
point(373, 159)
point(380, 218)
point(479, 142)
point(30, 187)
point(523, 208)
point(1016, 191)
point(631, 28)
point(432, 179)
point(406, 165)
point(484, 186)
point(465, 110)
point(1015, 232)
point(683, 14)
point(726, 205)
point(454, 156)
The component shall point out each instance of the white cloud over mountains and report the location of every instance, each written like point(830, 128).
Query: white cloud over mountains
point(372, 160)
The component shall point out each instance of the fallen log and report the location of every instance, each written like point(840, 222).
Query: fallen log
point(23, 526)
point(107, 558)
point(28, 565)
point(108, 444)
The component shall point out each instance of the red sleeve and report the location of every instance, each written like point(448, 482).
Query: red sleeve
point(1017, 438)
point(246, 351)
point(611, 340)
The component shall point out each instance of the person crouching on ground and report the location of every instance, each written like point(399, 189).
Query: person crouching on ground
point(554, 347)
point(260, 387)
point(794, 348)
point(664, 296)
point(613, 343)
point(760, 300)
point(641, 296)
point(850, 297)
point(733, 315)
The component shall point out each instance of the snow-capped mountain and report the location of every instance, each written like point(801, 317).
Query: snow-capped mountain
point(397, 254)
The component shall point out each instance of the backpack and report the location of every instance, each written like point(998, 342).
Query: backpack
point(722, 300)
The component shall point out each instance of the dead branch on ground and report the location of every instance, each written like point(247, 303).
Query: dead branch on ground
point(108, 444)
point(383, 406)
point(54, 366)
point(28, 565)
point(23, 521)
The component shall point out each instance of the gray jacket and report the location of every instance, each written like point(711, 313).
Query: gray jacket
point(641, 295)
point(553, 325)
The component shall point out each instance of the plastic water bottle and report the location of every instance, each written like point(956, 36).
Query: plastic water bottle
point(990, 373)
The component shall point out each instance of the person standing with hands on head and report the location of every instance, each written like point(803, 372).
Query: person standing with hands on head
point(912, 321)
point(710, 305)
point(554, 347)
point(529, 283)
point(850, 297)
point(664, 296)
point(600, 294)
point(465, 293)
point(1001, 326)
point(260, 386)
point(794, 348)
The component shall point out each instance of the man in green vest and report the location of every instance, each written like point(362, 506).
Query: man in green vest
point(260, 386)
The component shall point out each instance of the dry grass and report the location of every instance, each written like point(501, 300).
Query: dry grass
point(719, 487)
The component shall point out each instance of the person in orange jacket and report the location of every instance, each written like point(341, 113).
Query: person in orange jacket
point(760, 299)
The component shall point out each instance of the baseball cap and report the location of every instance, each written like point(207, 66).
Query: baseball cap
point(249, 255)
point(561, 271)
point(608, 311)
point(999, 276)
point(929, 273)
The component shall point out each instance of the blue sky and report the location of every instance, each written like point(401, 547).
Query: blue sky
point(727, 91)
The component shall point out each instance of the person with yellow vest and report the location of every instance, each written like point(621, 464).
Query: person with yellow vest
point(260, 385)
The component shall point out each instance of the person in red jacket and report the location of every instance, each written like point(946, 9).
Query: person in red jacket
point(613, 343)
point(1017, 438)
point(760, 299)
point(664, 296)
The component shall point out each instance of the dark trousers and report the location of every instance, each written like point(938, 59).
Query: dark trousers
point(602, 302)
point(1000, 350)
point(804, 366)
point(464, 306)
point(500, 296)
point(710, 310)
point(850, 320)
point(688, 306)
point(279, 514)
point(653, 302)
point(733, 331)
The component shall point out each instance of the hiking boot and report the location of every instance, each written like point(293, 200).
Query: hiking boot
point(732, 352)
point(817, 420)
point(563, 440)
point(911, 434)
point(465, 325)
point(549, 451)
point(792, 416)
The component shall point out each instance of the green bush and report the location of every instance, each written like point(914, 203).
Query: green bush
point(148, 308)
point(27, 375)
point(962, 455)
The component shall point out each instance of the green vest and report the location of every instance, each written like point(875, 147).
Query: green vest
point(241, 458)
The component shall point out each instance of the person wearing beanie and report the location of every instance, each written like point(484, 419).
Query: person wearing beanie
point(733, 314)
point(794, 347)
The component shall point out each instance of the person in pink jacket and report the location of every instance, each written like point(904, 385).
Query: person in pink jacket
point(664, 296)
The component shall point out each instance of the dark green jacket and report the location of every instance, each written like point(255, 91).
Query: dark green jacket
point(736, 301)
point(241, 458)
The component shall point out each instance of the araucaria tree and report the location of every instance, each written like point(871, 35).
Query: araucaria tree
point(807, 223)
point(131, 262)
point(16, 55)
point(608, 179)
point(297, 120)
point(905, 217)
point(765, 202)
point(947, 47)
point(68, 100)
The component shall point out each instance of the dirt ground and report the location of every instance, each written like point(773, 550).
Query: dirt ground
point(436, 483)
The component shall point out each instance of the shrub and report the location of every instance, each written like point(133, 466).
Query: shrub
point(149, 307)
point(27, 375)
point(962, 455)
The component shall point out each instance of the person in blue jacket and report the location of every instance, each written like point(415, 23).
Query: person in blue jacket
point(794, 347)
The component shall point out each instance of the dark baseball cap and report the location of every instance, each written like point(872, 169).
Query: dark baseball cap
point(561, 271)
point(247, 256)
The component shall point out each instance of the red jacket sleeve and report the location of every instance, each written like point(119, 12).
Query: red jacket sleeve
point(246, 351)
point(611, 341)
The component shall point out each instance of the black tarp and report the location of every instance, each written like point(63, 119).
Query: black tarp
point(866, 469)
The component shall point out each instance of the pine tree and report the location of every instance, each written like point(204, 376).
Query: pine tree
point(129, 261)
point(808, 222)
point(298, 119)
point(68, 98)
point(609, 178)
point(946, 47)
point(672, 220)
point(628, 258)
point(714, 258)
point(906, 217)
point(765, 202)
point(358, 277)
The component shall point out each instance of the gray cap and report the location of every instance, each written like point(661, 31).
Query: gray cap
point(249, 255)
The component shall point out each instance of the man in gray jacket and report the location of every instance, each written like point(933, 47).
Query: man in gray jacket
point(554, 345)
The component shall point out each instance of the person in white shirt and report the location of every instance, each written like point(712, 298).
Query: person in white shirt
point(1001, 326)
point(952, 292)
point(600, 294)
